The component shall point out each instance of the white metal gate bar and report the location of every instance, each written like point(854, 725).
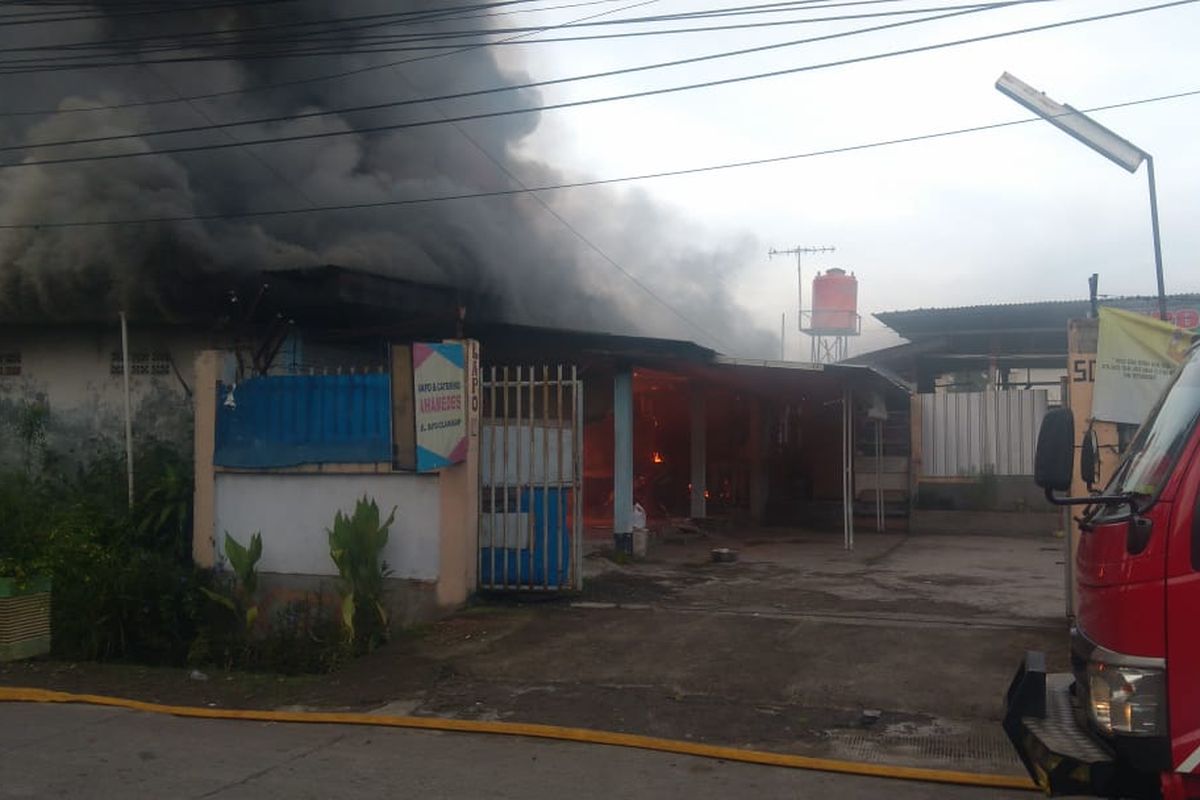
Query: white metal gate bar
point(531, 480)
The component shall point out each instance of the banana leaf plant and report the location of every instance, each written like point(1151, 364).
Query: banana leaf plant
point(241, 600)
point(356, 544)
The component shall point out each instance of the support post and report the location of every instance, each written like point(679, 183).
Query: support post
point(623, 460)
point(758, 461)
point(879, 509)
point(699, 415)
point(1158, 266)
point(204, 398)
point(847, 469)
point(128, 406)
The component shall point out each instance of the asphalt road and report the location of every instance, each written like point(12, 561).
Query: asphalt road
point(92, 752)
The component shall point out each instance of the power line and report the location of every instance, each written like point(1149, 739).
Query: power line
point(414, 42)
point(44, 18)
point(593, 101)
point(234, 37)
point(237, 215)
point(324, 29)
point(176, 9)
point(88, 60)
point(508, 88)
point(323, 26)
point(276, 85)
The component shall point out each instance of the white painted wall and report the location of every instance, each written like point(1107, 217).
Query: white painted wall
point(294, 511)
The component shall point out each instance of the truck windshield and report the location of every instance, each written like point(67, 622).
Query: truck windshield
point(1156, 448)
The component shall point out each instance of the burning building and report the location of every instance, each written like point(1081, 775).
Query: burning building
point(199, 169)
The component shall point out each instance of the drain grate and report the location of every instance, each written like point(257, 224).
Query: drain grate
point(974, 749)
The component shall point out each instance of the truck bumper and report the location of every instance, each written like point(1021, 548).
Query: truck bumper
point(1061, 756)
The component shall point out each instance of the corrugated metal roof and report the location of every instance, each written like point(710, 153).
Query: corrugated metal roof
point(1042, 315)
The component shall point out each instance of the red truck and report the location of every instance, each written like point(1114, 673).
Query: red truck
point(1125, 722)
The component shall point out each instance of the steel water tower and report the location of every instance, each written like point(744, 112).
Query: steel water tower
point(834, 316)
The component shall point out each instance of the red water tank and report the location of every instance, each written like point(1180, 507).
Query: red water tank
point(835, 303)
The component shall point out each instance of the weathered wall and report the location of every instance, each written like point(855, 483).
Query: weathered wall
point(293, 512)
point(69, 372)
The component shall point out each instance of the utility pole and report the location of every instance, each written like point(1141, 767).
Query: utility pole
point(799, 251)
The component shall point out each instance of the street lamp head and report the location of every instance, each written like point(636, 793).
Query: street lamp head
point(1085, 129)
point(1080, 126)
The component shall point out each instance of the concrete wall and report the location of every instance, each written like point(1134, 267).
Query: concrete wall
point(294, 511)
point(1042, 524)
point(68, 370)
point(433, 542)
point(993, 493)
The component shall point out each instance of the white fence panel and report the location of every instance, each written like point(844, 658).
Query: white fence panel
point(970, 433)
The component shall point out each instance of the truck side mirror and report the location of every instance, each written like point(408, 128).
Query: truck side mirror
point(1054, 462)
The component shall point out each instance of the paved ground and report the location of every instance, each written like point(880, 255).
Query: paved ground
point(787, 649)
point(80, 751)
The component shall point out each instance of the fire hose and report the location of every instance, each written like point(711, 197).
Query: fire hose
point(554, 732)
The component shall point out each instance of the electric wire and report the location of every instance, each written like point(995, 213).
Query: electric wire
point(410, 43)
point(278, 84)
point(391, 104)
point(593, 101)
point(173, 8)
point(322, 28)
point(730, 165)
point(281, 175)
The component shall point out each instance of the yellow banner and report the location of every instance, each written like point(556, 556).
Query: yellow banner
point(1135, 359)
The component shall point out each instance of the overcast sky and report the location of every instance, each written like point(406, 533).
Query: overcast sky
point(1012, 215)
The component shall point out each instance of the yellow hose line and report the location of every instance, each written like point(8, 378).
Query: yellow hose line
point(21, 695)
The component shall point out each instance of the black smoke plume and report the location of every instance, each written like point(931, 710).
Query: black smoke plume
point(509, 247)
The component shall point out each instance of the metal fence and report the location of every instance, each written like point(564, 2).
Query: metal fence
point(531, 468)
point(971, 433)
point(287, 420)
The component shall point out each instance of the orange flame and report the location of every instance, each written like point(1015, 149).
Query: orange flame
point(657, 457)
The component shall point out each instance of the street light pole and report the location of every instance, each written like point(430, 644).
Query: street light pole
point(1158, 269)
point(1086, 130)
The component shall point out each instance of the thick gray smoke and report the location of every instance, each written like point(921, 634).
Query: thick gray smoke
point(509, 247)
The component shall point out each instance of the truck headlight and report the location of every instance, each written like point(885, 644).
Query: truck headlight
point(1129, 700)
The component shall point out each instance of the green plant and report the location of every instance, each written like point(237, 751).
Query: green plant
point(356, 546)
point(164, 509)
point(124, 586)
point(241, 598)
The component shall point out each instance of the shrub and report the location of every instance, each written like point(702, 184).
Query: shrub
point(356, 545)
point(240, 596)
point(123, 582)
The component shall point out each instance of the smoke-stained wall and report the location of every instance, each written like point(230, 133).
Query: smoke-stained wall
point(509, 246)
point(66, 386)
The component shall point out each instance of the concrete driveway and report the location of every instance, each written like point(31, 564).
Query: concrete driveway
point(899, 652)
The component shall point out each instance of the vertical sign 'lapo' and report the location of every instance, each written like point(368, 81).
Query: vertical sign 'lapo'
point(439, 393)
